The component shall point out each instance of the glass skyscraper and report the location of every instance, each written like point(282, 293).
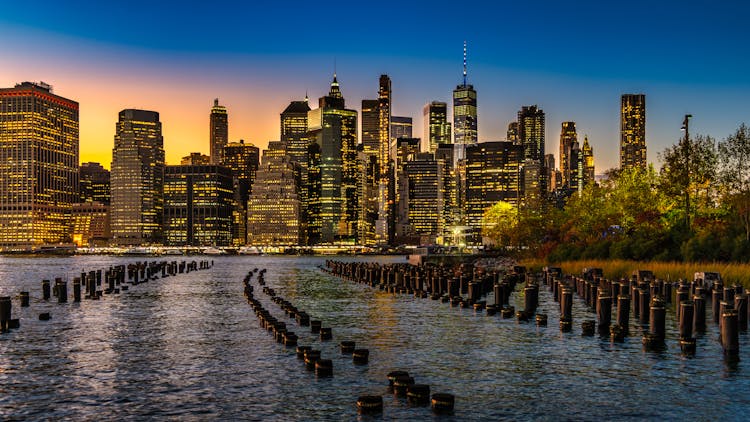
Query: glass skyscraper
point(219, 131)
point(632, 131)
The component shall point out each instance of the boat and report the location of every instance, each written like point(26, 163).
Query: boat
point(138, 250)
point(249, 250)
point(213, 251)
point(173, 251)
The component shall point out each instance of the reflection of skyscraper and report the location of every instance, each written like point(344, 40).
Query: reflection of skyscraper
point(633, 131)
point(38, 165)
point(219, 129)
point(137, 178)
point(464, 114)
point(437, 129)
point(333, 181)
point(568, 137)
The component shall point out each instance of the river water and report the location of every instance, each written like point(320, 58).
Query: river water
point(190, 347)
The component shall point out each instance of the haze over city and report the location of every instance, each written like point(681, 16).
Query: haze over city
point(574, 62)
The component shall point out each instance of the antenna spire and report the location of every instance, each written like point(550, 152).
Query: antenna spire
point(464, 62)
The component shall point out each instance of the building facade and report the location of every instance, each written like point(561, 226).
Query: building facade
point(437, 128)
point(401, 127)
point(137, 178)
point(568, 137)
point(38, 165)
point(197, 205)
point(633, 131)
point(195, 159)
point(242, 160)
point(425, 191)
point(464, 115)
point(94, 183)
point(218, 131)
point(385, 225)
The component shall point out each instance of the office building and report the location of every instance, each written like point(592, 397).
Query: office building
point(437, 129)
point(406, 150)
point(568, 137)
point(371, 127)
point(195, 159)
point(512, 133)
point(401, 127)
point(464, 115)
point(425, 191)
point(531, 132)
point(367, 196)
point(219, 131)
point(38, 165)
point(90, 224)
point(242, 160)
point(94, 183)
point(445, 153)
point(633, 131)
point(137, 178)
point(587, 158)
point(198, 205)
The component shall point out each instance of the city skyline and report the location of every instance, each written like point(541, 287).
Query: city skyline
point(180, 76)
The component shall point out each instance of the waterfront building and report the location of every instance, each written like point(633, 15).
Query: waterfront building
point(274, 208)
point(633, 131)
point(94, 183)
point(90, 224)
point(242, 160)
point(198, 205)
point(425, 206)
point(333, 170)
point(464, 115)
point(195, 159)
point(218, 131)
point(568, 137)
point(437, 129)
point(38, 165)
point(137, 178)
point(493, 172)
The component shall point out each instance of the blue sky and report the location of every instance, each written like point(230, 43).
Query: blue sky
point(573, 59)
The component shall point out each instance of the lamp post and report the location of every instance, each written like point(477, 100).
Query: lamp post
point(686, 156)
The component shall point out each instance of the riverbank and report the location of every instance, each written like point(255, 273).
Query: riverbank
point(731, 272)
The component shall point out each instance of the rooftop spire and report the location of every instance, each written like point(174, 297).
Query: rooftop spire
point(464, 62)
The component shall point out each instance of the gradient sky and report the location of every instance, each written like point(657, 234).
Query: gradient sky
point(573, 59)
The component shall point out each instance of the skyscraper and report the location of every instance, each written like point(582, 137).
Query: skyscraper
point(406, 150)
point(242, 160)
point(195, 159)
point(94, 183)
point(137, 178)
point(464, 114)
point(370, 127)
point(437, 129)
point(367, 197)
point(633, 131)
point(385, 226)
point(197, 205)
point(531, 132)
point(333, 181)
point(587, 157)
point(38, 165)
point(424, 194)
point(401, 127)
point(294, 135)
point(568, 137)
point(219, 129)
point(512, 133)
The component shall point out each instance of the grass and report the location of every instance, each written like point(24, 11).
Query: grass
point(731, 273)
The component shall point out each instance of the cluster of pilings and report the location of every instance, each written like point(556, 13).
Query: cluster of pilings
point(92, 285)
point(399, 382)
point(462, 285)
point(646, 298)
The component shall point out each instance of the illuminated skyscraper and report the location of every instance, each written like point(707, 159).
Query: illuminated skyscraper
point(94, 183)
point(531, 132)
point(219, 128)
point(633, 131)
point(492, 175)
point(553, 178)
point(385, 226)
point(367, 197)
point(424, 193)
point(333, 181)
point(464, 115)
point(406, 150)
point(370, 127)
point(242, 160)
point(451, 214)
point(512, 133)
point(38, 165)
point(587, 158)
point(197, 205)
point(195, 159)
point(568, 137)
point(401, 127)
point(137, 178)
point(437, 129)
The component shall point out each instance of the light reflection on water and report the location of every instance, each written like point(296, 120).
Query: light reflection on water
point(190, 347)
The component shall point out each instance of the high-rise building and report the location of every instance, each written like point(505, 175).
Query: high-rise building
point(197, 205)
point(242, 160)
point(532, 186)
point(401, 127)
point(406, 150)
point(38, 165)
point(552, 175)
point(219, 131)
point(492, 175)
point(633, 131)
point(195, 159)
point(451, 214)
point(94, 183)
point(297, 145)
point(274, 208)
point(587, 158)
point(531, 132)
point(333, 170)
point(425, 191)
point(437, 129)
point(371, 127)
point(512, 133)
point(385, 226)
point(137, 178)
point(90, 224)
point(464, 115)
point(568, 137)
point(367, 196)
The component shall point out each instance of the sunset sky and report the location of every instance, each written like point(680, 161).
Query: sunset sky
point(573, 59)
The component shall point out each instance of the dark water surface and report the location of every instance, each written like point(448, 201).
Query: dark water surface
point(189, 347)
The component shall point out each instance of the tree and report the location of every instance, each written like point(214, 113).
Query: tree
point(734, 174)
point(498, 223)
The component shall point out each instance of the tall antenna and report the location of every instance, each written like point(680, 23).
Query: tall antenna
point(464, 62)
